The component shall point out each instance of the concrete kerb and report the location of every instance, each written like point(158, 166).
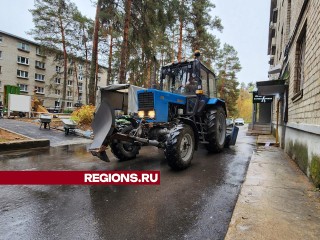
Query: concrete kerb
point(23, 144)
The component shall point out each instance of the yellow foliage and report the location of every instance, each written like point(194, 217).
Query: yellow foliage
point(84, 115)
point(244, 104)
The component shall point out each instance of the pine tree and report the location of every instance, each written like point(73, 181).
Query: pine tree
point(53, 27)
point(228, 65)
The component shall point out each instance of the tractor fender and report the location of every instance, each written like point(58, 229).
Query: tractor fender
point(217, 102)
point(194, 128)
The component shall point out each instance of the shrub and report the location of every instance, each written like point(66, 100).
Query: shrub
point(83, 115)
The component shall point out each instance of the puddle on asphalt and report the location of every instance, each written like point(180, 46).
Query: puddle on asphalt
point(53, 151)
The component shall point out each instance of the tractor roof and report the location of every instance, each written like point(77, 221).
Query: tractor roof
point(185, 62)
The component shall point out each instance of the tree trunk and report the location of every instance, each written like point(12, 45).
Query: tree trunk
point(93, 68)
point(148, 73)
point(86, 70)
point(124, 49)
point(97, 79)
point(180, 38)
point(76, 80)
point(110, 58)
point(172, 55)
point(65, 62)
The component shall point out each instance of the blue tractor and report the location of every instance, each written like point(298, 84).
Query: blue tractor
point(182, 113)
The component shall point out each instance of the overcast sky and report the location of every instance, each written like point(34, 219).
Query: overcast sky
point(245, 27)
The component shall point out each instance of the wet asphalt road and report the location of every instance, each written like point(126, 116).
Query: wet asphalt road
point(196, 203)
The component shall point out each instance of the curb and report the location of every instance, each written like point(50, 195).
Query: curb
point(18, 145)
point(23, 144)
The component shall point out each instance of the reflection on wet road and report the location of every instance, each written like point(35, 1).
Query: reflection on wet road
point(196, 203)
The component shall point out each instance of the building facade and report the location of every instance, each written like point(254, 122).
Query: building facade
point(294, 50)
point(22, 64)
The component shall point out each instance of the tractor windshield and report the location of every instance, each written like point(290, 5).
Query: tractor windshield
point(179, 80)
point(186, 78)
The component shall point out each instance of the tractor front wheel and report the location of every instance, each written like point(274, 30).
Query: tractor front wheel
point(180, 147)
point(124, 150)
point(216, 129)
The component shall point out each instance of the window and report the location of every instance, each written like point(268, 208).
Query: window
point(80, 97)
point(39, 90)
point(58, 69)
point(23, 87)
point(40, 65)
point(57, 92)
point(56, 104)
point(69, 94)
point(70, 71)
point(300, 61)
point(80, 77)
point(39, 77)
point(99, 79)
point(0, 54)
point(275, 15)
point(23, 60)
point(271, 61)
point(57, 80)
point(69, 104)
point(80, 67)
point(0, 84)
point(22, 74)
point(273, 50)
point(24, 47)
point(69, 83)
point(0, 69)
point(0, 38)
point(80, 87)
point(39, 51)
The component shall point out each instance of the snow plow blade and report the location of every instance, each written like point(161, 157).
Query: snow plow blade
point(103, 124)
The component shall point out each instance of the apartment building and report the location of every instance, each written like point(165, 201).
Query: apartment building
point(22, 64)
point(294, 80)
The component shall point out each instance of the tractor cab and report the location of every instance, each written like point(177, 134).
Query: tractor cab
point(188, 78)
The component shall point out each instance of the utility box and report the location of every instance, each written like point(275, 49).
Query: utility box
point(9, 89)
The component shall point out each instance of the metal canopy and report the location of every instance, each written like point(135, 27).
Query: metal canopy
point(115, 87)
point(272, 87)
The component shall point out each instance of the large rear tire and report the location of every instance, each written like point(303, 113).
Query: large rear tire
point(216, 129)
point(180, 147)
point(124, 150)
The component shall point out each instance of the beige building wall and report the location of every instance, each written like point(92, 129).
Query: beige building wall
point(302, 131)
point(43, 78)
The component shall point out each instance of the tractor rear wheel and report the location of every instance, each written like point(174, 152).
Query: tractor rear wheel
point(124, 150)
point(180, 147)
point(216, 129)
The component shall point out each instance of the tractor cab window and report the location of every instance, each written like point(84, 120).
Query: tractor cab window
point(176, 80)
point(204, 80)
point(212, 86)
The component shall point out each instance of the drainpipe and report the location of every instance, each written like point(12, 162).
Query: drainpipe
point(277, 127)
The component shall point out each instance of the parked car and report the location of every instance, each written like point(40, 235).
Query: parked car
point(229, 122)
point(239, 121)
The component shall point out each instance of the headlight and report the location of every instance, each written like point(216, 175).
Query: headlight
point(151, 114)
point(141, 114)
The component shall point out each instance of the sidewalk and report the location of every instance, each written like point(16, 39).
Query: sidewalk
point(57, 138)
point(276, 201)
